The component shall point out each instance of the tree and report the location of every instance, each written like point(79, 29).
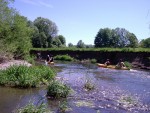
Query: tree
point(56, 42)
point(133, 41)
point(21, 36)
point(62, 39)
point(48, 30)
point(47, 26)
point(126, 39)
point(103, 38)
point(14, 32)
point(70, 45)
point(118, 37)
point(80, 44)
point(145, 43)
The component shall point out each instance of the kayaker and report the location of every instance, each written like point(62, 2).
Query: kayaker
point(48, 58)
point(107, 62)
point(51, 59)
point(120, 64)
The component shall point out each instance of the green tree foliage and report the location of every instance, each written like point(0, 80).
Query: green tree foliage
point(46, 31)
point(80, 44)
point(145, 43)
point(118, 37)
point(70, 45)
point(14, 32)
point(56, 42)
point(62, 39)
point(103, 38)
point(126, 39)
point(47, 26)
point(21, 36)
point(133, 40)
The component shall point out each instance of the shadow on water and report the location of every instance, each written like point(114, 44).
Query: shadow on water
point(115, 91)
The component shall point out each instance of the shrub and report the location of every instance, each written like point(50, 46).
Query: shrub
point(57, 90)
point(93, 60)
point(128, 64)
point(63, 58)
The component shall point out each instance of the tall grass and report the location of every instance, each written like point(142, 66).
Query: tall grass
point(23, 76)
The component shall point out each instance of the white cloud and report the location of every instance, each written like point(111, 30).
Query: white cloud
point(42, 3)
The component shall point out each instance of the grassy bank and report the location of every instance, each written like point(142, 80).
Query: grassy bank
point(25, 77)
point(95, 49)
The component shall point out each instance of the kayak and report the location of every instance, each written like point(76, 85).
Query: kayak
point(112, 67)
point(50, 63)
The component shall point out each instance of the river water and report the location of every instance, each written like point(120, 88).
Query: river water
point(115, 91)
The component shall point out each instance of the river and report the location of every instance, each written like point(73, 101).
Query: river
point(115, 91)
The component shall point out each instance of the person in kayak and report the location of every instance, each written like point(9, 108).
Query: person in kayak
point(48, 58)
point(107, 62)
point(120, 64)
point(51, 59)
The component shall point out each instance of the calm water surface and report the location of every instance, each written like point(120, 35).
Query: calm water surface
point(115, 91)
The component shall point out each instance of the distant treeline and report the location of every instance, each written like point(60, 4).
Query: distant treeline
point(18, 35)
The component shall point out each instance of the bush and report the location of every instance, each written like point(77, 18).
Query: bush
point(57, 90)
point(63, 58)
point(128, 65)
point(23, 76)
point(93, 60)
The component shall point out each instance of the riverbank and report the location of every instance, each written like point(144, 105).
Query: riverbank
point(139, 60)
point(9, 63)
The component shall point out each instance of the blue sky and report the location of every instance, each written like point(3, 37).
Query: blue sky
point(81, 19)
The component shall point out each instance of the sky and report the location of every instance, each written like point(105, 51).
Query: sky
point(82, 19)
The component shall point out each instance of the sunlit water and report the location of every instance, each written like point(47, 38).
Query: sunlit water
point(115, 91)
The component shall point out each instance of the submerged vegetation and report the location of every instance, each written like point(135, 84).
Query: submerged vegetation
point(23, 76)
point(63, 107)
point(89, 85)
point(31, 108)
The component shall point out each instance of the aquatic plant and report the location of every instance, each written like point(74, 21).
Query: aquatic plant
point(31, 108)
point(128, 101)
point(23, 76)
point(63, 58)
point(57, 90)
point(63, 107)
point(82, 103)
point(88, 85)
point(128, 64)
